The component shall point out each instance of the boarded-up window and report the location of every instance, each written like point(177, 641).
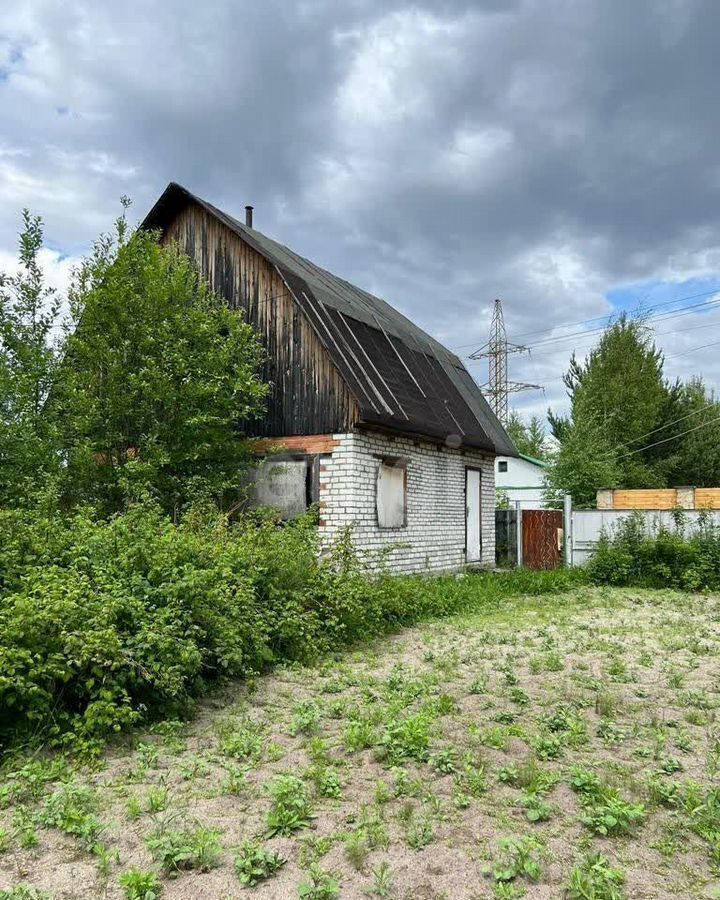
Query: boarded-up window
point(391, 487)
point(283, 485)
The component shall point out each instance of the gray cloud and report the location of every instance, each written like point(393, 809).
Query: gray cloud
point(440, 154)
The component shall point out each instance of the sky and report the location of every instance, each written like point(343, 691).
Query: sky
point(559, 154)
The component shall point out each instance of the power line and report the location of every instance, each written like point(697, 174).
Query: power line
point(607, 317)
point(670, 356)
point(647, 434)
point(663, 317)
point(656, 334)
point(673, 437)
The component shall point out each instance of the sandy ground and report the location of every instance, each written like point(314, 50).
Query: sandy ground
point(636, 673)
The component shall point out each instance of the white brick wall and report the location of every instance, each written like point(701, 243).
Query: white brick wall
point(434, 536)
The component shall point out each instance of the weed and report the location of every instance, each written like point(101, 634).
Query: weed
point(479, 685)
point(382, 793)
point(306, 717)
point(518, 858)
point(382, 881)
point(243, 741)
point(607, 814)
point(193, 767)
point(359, 734)
point(235, 780)
point(157, 799)
point(407, 738)
point(24, 828)
point(320, 885)
point(23, 892)
point(357, 849)
point(290, 809)
point(420, 833)
point(71, 809)
point(595, 879)
point(444, 762)
point(253, 863)
point(197, 848)
point(139, 885)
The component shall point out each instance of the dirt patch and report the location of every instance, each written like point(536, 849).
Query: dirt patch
point(442, 762)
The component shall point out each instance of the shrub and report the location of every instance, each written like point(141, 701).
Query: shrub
point(634, 555)
point(105, 623)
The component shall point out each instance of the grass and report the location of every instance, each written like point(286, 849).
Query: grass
point(565, 744)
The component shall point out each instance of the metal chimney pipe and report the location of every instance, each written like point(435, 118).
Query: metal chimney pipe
point(248, 216)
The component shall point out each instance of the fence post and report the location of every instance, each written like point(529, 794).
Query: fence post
point(518, 531)
point(567, 530)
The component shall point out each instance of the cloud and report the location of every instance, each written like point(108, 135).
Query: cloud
point(438, 153)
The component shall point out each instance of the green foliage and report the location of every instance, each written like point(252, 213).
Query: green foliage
point(634, 555)
point(518, 859)
point(595, 879)
point(528, 437)
point(139, 885)
point(253, 863)
point(319, 885)
point(408, 738)
point(584, 463)
point(23, 892)
point(606, 813)
point(188, 848)
point(107, 622)
point(291, 808)
point(28, 362)
point(158, 373)
point(617, 395)
point(306, 716)
point(71, 809)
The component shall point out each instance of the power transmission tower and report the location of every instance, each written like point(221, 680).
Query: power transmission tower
point(496, 350)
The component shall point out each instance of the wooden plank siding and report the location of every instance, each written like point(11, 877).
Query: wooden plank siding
point(707, 498)
point(645, 499)
point(307, 395)
point(660, 498)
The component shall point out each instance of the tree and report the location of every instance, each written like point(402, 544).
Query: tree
point(28, 357)
point(528, 437)
point(584, 463)
point(158, 377)
point(692, 440)
point(618, 396)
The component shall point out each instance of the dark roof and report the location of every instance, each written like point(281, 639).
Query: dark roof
point(401, 378)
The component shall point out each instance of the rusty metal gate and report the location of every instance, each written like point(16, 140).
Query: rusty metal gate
point(542, 534)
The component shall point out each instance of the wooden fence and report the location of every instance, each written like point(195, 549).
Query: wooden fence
point(660, 498)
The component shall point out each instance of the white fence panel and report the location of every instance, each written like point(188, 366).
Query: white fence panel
point(588, 525)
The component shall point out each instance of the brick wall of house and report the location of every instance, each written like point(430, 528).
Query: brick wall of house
point(435, 531)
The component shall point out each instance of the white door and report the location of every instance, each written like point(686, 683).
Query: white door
point(473, 536)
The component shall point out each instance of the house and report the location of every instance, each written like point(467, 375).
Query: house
point(379, 424)
point(521, 478)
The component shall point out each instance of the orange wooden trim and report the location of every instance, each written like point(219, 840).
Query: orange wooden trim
point(299, 443)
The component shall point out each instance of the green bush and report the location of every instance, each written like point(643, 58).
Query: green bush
point(105, 623)
point(635, 556)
